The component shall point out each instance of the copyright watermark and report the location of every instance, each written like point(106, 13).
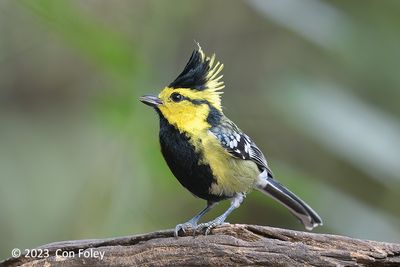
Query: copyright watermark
point(45, 253)
point(81, 253)
point(30, 253)
point(16, 252)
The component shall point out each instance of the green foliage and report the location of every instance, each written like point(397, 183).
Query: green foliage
point(99, 42)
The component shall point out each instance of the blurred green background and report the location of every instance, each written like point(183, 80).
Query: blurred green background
point(315, 83)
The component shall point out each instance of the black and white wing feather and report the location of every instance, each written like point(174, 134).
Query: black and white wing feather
point(238, 144)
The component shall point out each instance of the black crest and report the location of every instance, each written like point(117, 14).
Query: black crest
point(199, 73)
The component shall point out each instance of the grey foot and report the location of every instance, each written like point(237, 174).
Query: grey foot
point(184, 226)
point(210, 225)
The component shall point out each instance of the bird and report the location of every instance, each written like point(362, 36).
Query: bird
point(207, 153)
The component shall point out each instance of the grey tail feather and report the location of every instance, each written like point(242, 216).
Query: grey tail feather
point(298, 207)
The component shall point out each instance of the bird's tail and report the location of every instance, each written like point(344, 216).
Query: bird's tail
point(298, 207)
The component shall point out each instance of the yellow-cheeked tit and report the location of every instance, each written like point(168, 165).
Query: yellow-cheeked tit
point(208, 154)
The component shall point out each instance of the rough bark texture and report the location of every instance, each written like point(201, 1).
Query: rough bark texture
point(226, 246)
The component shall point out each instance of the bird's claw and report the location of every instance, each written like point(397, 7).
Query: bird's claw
point(191, 225)
point(210, 225)
point(184, 226)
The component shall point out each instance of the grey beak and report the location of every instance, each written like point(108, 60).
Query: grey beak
point(150, 100)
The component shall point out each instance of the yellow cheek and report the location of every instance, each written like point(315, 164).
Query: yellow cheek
point(186, 117)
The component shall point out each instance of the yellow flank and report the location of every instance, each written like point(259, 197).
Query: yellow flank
point(233, 174)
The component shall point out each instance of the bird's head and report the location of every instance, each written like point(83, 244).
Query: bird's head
point(193, 99)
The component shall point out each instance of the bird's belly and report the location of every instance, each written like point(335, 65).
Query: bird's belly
point(203, 166)
point(186, 164)
point(233, 176)
point(197, 178)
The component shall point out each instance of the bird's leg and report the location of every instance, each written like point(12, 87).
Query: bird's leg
point(192, 223)
point(235, 203)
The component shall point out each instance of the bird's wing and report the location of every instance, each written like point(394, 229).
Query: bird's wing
point(238, 144)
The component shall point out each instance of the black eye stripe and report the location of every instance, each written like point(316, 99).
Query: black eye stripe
point(198, 101)
point(177, 97)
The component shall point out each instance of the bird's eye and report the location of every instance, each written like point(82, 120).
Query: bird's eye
point(176, 97)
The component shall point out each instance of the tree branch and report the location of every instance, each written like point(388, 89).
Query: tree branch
point(227, 245)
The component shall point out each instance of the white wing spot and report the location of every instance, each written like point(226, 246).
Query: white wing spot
point(226, 139)
point(231, 144)
point(246, 148)
point(238, 137)
point(234, 143)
